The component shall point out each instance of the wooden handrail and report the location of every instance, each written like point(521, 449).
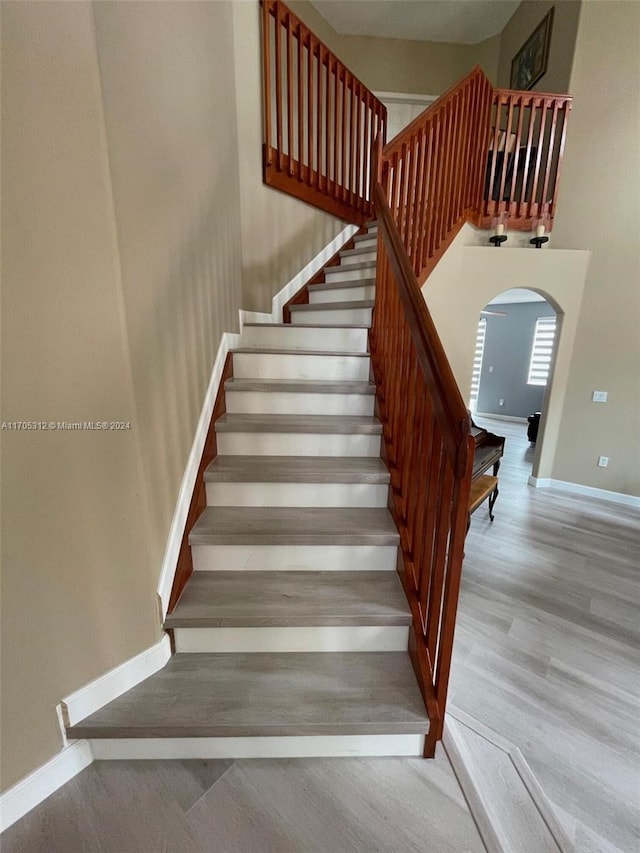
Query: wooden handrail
point(429, 451)
point(320, 121)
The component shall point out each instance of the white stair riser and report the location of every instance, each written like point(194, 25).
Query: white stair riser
point(338, 317)
point(302, 558)
point(360, 258)
point(346, 294)
point(291, 337)
point(296, 444)
point(294, 403)
point(330, 746)
point(297, 494)
point(328, 638)
point(264, 365)
point(333, 274)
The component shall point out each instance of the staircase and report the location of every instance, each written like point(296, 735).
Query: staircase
point(291, 635)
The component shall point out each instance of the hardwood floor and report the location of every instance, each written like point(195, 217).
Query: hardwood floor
point(391, 805)
point(546, 650)
point(545, 655)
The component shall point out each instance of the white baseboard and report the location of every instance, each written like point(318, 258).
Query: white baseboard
point(174, 540)
point(585, 491)
point(292, 287)
point(114, 683)
point(16, 801)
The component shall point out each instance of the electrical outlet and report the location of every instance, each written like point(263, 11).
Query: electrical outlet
point(490, 368)
point(501, 402)
point(599, 397)
point(603, 461)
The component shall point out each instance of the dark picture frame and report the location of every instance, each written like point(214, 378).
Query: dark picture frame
point(530, 62)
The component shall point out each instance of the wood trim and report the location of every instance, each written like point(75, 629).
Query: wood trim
point(184, 565)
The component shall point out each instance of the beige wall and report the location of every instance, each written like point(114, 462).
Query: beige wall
point(470, 275)
point(563, 38)
point(280, 234)
point(599, 209)
point(78, 578)
point(168, 92)
point(121, 269)
point(395, 65)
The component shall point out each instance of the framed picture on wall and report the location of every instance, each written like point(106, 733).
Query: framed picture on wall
point(530, 62)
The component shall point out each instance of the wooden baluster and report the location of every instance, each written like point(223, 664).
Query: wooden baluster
point(492, 205)
point(552, 134)
point(289, 52)
point(441, 541)
point(420, 450)
point(336, 117)
point(328, 128)
point(278, 51)
point(513, 205)
point(300, 119)
point(434, 487)
point(359, 144)
point(533, 203)
point(427, 197)
point(507, 146)
point(435, 187)
point(343, 146)
point(266, 79)
point(411, 198)
point(404, 184)
point(565, 117)
point(352, 139)
point(523, 202)
point(367, 152)
point(319, 129)
point(418, 202)
point(310, 111)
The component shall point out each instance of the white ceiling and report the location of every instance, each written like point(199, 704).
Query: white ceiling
point(460, 21)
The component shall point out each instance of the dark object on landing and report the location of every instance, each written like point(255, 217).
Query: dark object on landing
point(532, 430)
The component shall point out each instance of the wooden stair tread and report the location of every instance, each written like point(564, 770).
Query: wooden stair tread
point(244, 695)
point(225, 599)
point(363, 265)
point(294, 526)
point(481, 488)
point(342, 285)
point(297, 469)
point(333, 306)
point(336, 424)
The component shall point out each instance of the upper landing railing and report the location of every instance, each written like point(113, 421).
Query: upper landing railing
point(320, 121)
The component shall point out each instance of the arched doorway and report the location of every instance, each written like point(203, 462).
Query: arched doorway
point(516, 341)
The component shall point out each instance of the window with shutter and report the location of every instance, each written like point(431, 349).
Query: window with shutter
point(542, 351)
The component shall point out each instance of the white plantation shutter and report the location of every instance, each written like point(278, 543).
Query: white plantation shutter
point(477, 363)
point(542, 351)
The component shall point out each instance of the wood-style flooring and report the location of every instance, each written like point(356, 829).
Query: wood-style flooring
point(545, 655)
point(546, 650)
point(328, 805)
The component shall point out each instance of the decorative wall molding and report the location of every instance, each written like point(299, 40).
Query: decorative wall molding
point(585, 491)
point(16, 801)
